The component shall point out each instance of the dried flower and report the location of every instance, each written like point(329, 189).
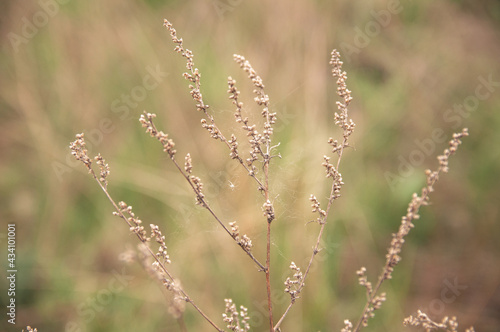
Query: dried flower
point(236, 321)
point(245, 242)
point(268, 211)
point(294, 285)
point(193, 75)
point(146, 120)
point(160, 239)
point(316, 208)
point(262, 99)
point(341, 119)
point(234, 147)
point(198, 186)
point(103, 169)
point(79, 150)
point(347, 326)
point(134, 222)
point(235, 230)
point(188, 166)
point(363, 281)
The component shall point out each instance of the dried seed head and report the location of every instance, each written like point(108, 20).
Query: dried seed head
point(146, 120)
point(294, 285)
point(79, 151)
point(103, 169)
point(188, 166)
point(268, 209)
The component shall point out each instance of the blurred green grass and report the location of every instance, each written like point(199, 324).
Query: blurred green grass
point(65, 79)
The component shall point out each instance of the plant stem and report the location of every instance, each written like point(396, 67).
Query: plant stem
point(268, 248)
point(268, 277)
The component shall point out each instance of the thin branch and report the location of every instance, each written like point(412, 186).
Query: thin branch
point(393, 253)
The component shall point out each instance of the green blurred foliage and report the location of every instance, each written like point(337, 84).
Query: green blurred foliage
point(79, 71)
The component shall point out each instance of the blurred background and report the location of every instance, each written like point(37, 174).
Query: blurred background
point(418, 71)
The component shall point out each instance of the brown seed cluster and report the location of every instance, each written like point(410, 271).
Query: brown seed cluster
point(294, 284)
point(244, 241)
point(236, 321)
point(134, 222)
point(316, 208)
point(262, 99)
point(268, 211)
point(160, 239)
point(79, 151)
point(103, 169)
point(342, 119)
point(193, 75)
point(146, 120)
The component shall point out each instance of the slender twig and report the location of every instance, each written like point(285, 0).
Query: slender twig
point(268, 277)
point(375, 300)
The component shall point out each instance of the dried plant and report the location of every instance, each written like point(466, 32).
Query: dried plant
point(153, 252)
